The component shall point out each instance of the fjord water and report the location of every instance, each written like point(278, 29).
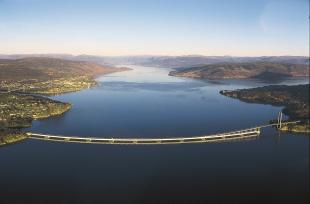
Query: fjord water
point(146, 102)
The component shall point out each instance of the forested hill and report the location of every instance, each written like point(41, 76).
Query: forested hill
point(42, 68)
point(244, 70)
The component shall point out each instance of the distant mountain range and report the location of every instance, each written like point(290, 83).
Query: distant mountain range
point(176, 62)
point(189, 61)
point(104, 60)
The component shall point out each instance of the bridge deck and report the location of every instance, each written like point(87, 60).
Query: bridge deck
point(228, 136)
point(211, 138)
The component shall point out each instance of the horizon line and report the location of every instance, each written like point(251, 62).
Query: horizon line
point(154, 55)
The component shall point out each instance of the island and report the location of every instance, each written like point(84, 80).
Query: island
point(26, 83)
point(295, 100)
point(261, 69)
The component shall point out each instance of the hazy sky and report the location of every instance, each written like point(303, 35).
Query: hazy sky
point(159, 27)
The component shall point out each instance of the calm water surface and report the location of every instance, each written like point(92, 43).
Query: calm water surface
point(146, 102)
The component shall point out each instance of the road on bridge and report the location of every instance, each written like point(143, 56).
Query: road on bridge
point(228, 136)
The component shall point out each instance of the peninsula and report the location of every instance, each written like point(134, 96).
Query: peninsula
point(295, 100)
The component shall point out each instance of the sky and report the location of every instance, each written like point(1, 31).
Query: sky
point(155, 27)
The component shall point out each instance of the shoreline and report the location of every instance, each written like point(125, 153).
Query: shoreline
point(293, 99)
point(173, 74)
point(95, 79)
point(13, 132)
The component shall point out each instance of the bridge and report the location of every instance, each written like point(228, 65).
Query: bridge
point(248, 133)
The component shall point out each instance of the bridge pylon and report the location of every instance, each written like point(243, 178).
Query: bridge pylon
point(280, 116)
